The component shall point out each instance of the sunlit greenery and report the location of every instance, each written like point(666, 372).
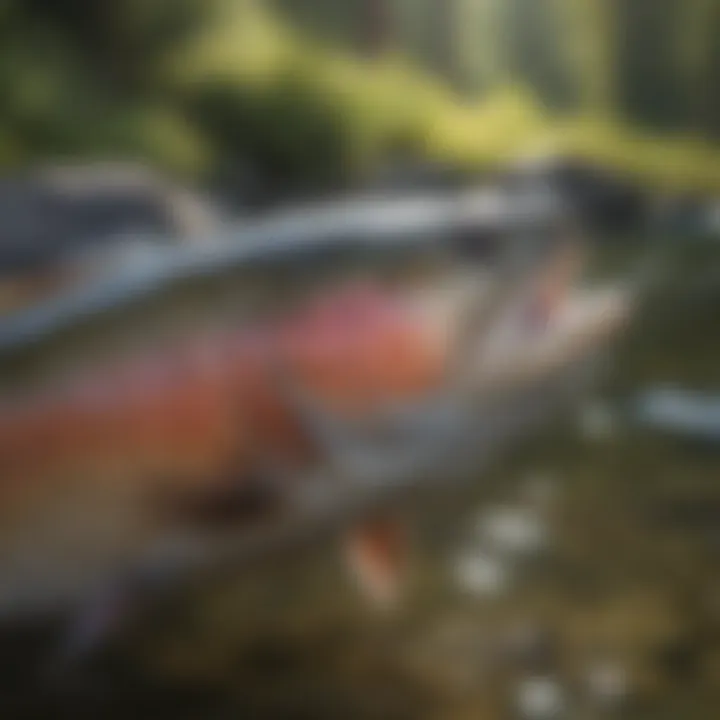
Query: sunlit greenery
point(230, 83)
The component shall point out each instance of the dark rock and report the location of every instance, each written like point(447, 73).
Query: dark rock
point(600, 198)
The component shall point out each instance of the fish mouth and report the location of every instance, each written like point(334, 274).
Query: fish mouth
point(584, 327)
point(503, 354)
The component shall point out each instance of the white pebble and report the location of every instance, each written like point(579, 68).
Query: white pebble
point(540, 698)
point(513, 530)
point(482, 574)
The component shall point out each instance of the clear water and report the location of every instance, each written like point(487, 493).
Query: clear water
point(624, 592)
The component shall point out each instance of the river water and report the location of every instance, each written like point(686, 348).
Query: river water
point(578, 578)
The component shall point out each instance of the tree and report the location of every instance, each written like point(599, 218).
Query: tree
point(532, 33)
point(651, 88)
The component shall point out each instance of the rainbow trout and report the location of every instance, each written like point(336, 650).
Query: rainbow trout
point(305, 379)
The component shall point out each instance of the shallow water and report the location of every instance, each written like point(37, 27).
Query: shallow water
point(627, 579)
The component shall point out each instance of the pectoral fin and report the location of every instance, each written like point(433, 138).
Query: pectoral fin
point(377, 557)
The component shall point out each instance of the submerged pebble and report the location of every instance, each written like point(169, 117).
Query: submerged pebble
point(540, 698)
point(513, 530)
point(482, 574)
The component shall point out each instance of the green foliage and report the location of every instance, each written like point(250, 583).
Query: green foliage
point(663, 161)
point(199, 86)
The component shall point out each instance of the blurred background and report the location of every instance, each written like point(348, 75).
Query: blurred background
point(280, 97)
point(594, 589)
